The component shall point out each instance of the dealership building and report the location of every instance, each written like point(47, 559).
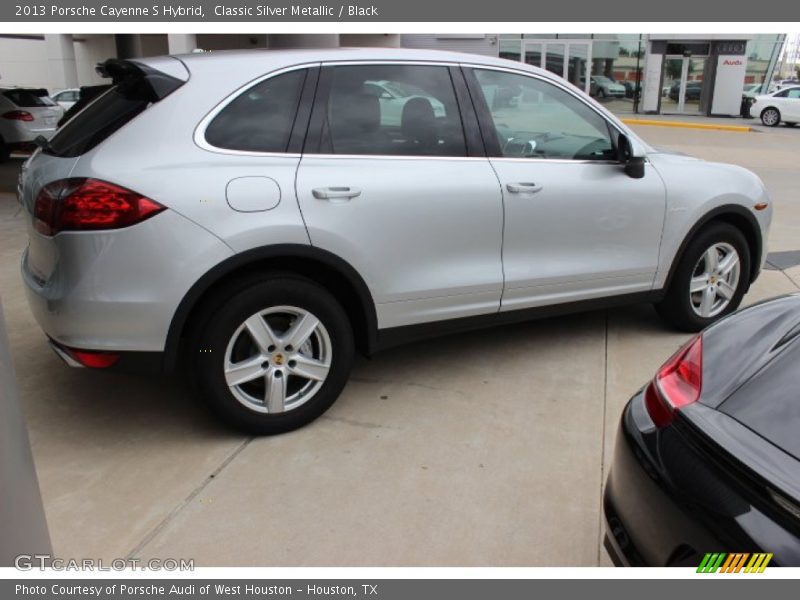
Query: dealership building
point(630, 73)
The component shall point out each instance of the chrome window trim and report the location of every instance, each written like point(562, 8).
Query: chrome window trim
point(200, 131)
point(392, 157)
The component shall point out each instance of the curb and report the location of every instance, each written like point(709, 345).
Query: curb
point(687, 125)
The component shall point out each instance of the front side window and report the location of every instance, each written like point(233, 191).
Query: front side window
point(793, 93)
point(391, 109)
point(536, 119)
point(261, 118)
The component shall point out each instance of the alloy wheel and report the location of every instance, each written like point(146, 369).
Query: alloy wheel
point(770, 117)
point(715, 280)
point(278, 359)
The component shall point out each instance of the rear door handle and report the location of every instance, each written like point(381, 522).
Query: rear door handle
point(335, 193)
point(523, 188)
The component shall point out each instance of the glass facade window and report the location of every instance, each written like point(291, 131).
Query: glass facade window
point(762, 55)
point(617, 65)
point(610, 67)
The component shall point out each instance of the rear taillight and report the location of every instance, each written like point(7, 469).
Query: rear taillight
point(18, 115)
point(678, 383)
point(80, 204)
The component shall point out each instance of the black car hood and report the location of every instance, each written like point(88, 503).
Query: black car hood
point(740, 347)
point(751, 370)
point(769, 403)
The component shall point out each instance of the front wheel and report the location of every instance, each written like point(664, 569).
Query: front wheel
point(710, 279)
point(275, 356)
point(770, 117)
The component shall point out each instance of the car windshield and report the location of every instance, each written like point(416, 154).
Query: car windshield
point(603, 79)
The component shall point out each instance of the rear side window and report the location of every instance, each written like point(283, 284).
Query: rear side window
point(406, 110)
point(134, 91)
point(28, 98)
point(261, 118)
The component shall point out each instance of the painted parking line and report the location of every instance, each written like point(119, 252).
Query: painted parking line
point(689, 125)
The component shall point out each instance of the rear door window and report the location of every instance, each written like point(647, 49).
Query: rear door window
point(261, 118)
point(392, 109)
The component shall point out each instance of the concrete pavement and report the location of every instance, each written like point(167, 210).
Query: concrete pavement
point(487, 448)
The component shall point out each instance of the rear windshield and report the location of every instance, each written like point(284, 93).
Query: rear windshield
point(28, 98)
point(108, 113)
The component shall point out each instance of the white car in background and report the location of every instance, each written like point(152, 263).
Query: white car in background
point(394, 96)
point(781, 106)
point(25, 114)
point(66, 98)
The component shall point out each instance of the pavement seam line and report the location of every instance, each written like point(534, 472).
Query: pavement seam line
point(792, 281)
point(151, 535)
point(603, 447)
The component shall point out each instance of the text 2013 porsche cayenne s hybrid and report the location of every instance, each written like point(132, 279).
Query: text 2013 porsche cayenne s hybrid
point(264, 215)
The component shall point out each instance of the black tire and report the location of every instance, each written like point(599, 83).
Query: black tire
point(225, 317)
point(766, 116)
point(676, 307)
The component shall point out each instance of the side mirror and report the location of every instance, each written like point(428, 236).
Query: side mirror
point(634, 165)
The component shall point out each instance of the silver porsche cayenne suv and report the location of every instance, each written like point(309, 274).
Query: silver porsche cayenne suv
point(259, 217)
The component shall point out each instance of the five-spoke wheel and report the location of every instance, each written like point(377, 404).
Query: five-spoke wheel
point(715, 280)
point(710, 278)
point(275, 355)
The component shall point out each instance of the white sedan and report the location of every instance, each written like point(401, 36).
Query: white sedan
point(25, 114)
point(781, 106)
point(66, 98)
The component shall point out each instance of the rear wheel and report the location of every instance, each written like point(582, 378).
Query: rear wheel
point(770, 117)
point(710, 280)
point(275, 356)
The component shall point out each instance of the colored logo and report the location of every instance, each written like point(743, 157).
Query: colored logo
point(721, 562)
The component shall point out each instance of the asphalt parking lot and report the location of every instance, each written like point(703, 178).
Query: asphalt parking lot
point(487, 448)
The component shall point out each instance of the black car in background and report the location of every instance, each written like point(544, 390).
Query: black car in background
point(707, 455)
point(693, 90)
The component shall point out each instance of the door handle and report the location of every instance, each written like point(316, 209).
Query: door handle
point(335, 193)
point(523, 188)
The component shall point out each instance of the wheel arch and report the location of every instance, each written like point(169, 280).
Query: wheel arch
point(739, 217)
point(323, 267)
